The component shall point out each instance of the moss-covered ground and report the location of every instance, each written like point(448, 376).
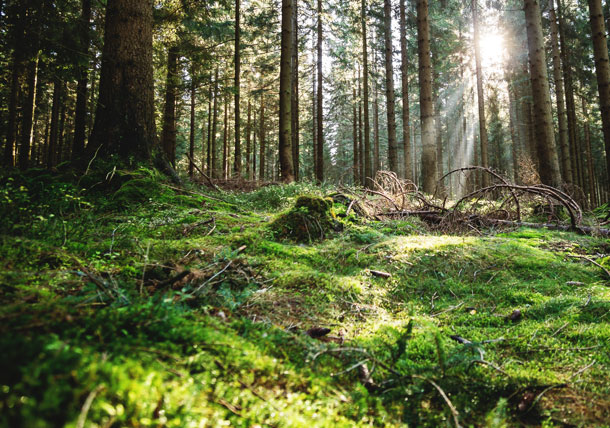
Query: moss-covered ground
point(126, 302)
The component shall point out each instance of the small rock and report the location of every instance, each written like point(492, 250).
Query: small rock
point(515, 316)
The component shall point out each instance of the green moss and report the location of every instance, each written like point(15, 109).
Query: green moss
point(311, 219)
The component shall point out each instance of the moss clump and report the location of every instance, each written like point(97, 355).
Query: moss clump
point(138, 190)
point(310, 219)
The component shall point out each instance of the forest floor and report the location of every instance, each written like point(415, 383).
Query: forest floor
point(126, 301)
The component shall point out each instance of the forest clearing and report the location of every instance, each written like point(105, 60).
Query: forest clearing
point(304, 213)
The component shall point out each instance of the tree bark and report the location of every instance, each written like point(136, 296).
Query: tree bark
point(285, 116)
point(547, 152)
point(213, 149)
point(590, 165)
point(237, 159)
point(192, 125)
point(365, 92)
point(294, 90)
point(248, 141)
point(29, 106)
point(261, 168)
point(428, 163)
point(480, 95)
point(319, 107)
point(406, 131)
point(564, 144)
point(124, 120)
point(54, 126)
point(168, 138)
point(225, 136)
point(602, 69)
point(80, 113)
point(356, 163)
point(389, 90)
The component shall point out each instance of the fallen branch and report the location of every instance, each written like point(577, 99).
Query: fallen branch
point(208, 179)
point(591, 261)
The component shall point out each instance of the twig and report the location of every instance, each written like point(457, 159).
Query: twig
point(454, 411)
point(591, 261)
point(380, 273)
point(452, 308)
point(208, 179)
point(82, 417)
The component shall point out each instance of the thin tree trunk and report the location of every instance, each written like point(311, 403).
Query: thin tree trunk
point(480, 95)
point(80, 114)
point(602, 69)
point(285, 116)
point(214, 147)
point(389, 91)
point(547, 152)
point(406, 132)
point(360, 151)
point(208, 158)
point(52, 146)
point(168, 138)
point(192, 125)
point(294, 92)
point(591, 167)
point(314, 100)
point(29, 106)
point(356, 164)
point(365, 91)
point(11, 126)
point(237, 159)
point(225, 136)
point(319, 111)
point(377, 158)
point(248, 141)
point(569, 96)
point(428, 163)
point(562, 119)
point(261, 168)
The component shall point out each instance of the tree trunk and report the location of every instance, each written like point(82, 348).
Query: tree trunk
point(360, 151)
point(237, 152)
point(54, 127)
point(213, 148)
point(168, 138)
point(314, 100)
point(80, 113)
point(547, 152)
point(406, 131)
point(261, 168)
point(29, 106)
point(389, 89)
point(294, 90)
point(590, 165)
point(11, 125)
point(248, 141)
point(562, 119)
point(225, 136)
point(124, 120)
point(480, 95)
point(377, 158)
point(428, 163)
point(365, 92)
point(356, 164)
point(319, 112)
point(602, 69)
point(192, 125)
point(208, 144)
point(285, 117)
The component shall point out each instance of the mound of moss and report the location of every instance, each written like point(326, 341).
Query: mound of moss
point(311, 219)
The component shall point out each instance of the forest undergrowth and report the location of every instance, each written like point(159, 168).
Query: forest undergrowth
point(128, 301)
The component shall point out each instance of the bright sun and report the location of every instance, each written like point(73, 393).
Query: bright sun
point(492, 50)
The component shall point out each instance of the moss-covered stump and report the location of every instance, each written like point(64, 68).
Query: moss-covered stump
point(312, 218)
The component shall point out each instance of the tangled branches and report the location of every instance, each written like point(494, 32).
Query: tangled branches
point(500, 203)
